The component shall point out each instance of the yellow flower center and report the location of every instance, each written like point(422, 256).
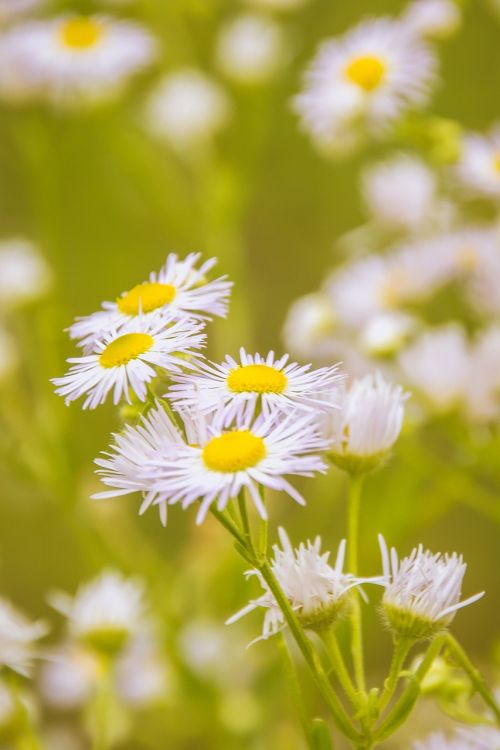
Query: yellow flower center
point(366, 71)
point(496, 162)
point(146, 297)
point(124, 348)
point(234, 451)
point(256, 379)
point(81, 33)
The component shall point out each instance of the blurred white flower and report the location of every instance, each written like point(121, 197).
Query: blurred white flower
point(360, 290)
point(24, 274)
point(439, 741)
point(18, 637)
point(422, 591)
point(70, 58)
point(362, 432)
point(479, 166)
point(479, 738)
point(70, 676)
point(438, 364)
point(202, 647)
point(141, 675)
point(478, 253)
point(104, 613)
point(401, 193)
point(250, 49)
point(386, 333)
point(366, 78)
point(10, 10)
point(187, 109)
point(253, 383)
point(483, 390)
point(309, 325)
point(315, 590)
point(433, 19)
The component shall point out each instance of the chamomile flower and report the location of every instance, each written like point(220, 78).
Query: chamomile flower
point(438, 364)
point(316, 591)
point(252, 383)
point(433, 19)
point(422, 591)
point(104, 613)
point(364, 80)
point(479, 166)
point(125, 362)
point(362, 432)
point(179, 290)
point(250, 49)
point(18, 637)
point(71, 58)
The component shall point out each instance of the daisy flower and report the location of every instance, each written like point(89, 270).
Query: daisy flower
point(213, 462)
point(315, 590)
point(70, 58)
point(254, 383)
point(368, 77)
point(104, 613)
point(433, 19)
point(362, 432)
point(250, 49)
point(479, 166)
point(18, 639)
point(422, 591)
point(125, 362)
point(179, 290)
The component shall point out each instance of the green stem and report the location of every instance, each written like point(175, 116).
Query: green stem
point(354, 502)
point(294, 686)
point(228, 525)
point(330, 640)
point(474, 675)
point(401, 650)
point(245, 523)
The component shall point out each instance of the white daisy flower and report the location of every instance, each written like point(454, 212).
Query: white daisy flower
point(433, 19)
point(178, 290)
point(125, 362)
point(104, 613)
point(367, 77)
point(309, 327)
point(362, 432)
point(401, 193)
point(187, 109)
point(24, 274)
point(214, 463)
point(479, 166)
point(422, 591)
point(361, 289)
point(386, 333)
point(315, 590)
point(18, 639)
point(250, 49)
point(438, 364)
point(70, 58)
point(254, 383)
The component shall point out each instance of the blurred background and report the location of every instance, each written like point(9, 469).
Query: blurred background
point(102, 199)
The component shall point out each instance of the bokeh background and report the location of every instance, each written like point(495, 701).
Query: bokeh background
point(104, 202)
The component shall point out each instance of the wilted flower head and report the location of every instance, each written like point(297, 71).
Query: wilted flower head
point(24, 274)
point(18, 639)
point(187, 109)
point(433, 19)
point(422, 591)
point(104, 613)
point(363, 81)
point(250, 48)
point(71, 59)
point(362, 431)
point(316, 591)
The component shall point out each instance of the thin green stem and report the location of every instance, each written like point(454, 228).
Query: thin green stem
point(474, 674)
point(294, 686)
point(245, 522)
point(338, 664)
point(228, 524)
point(401, 650)
point(354, 502)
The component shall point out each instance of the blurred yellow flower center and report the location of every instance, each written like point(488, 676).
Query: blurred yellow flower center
point(496, 162)
point(234, 451)
point(366, 72)
point(146, 297)
point(467, 258)
point(81, 33)
point(256, 379)
point(124, 348)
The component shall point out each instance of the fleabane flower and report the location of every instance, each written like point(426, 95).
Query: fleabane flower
point(70, 59)
point(125, 362)
point(317, 592)
point(433, 19)
point(422, 591)
point(479, 167)
point(104, 613)
point(361, 433)
point(180, 289)
point(364, 81)
point(253, 383)
point(18, 637)
point(212, 462)
point(250, 49)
